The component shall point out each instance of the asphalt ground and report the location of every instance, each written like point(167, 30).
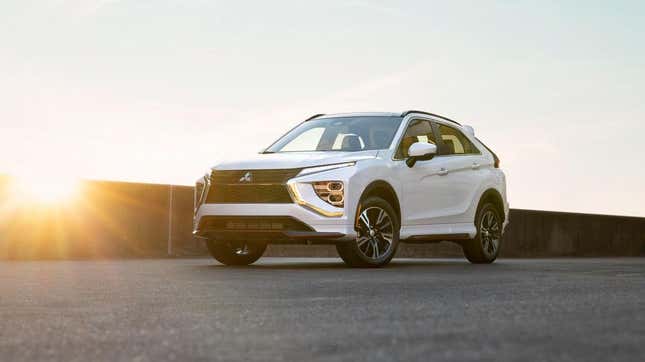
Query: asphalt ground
point(317, 309)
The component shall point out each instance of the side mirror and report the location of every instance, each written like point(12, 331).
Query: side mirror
point(420, 151)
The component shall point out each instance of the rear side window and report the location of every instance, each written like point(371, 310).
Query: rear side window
point(454, 142)
point(495, 157)
point(418, 131)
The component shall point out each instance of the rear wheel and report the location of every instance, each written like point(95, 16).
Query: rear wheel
point(377, 235)
point(484, 248)
point(236, 252)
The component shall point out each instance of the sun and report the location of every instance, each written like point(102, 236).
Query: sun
point(48, 189)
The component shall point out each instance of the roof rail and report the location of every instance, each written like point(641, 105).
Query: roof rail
point(429, 114)
point(314, 116)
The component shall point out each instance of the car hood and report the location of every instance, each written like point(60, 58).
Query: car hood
point(283, 160)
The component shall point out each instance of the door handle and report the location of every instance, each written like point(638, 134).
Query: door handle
point(443, 171)
point(475, 166)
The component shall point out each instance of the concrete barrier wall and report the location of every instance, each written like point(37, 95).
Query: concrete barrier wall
point(534, 233)
point(116, 219)
point(108, 219)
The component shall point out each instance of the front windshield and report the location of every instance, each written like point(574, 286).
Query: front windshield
point(347, 134)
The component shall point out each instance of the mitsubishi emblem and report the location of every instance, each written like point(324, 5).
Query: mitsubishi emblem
point(247, 177)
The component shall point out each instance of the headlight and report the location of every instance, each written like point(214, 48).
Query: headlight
point(332, 192)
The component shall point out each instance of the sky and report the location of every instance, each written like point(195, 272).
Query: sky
point(158, 91)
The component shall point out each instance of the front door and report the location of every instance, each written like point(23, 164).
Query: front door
point(425, 188)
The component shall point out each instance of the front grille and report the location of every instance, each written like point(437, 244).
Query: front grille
point(248, 194)
point(253, 223)
point(279, 176)
point(250, 186)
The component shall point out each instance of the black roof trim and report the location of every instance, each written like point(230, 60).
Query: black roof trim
point(314, 116)
point(429, 114)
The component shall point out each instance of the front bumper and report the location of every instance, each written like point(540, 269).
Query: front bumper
point(275, 237)
point(322, 221)
point(307, 226)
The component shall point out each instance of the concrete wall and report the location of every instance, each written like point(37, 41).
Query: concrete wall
point(116, 219)
point(108, 219)
point(534, 233)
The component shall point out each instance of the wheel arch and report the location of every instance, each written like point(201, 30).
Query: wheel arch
point(495, 197)
point(384, 190)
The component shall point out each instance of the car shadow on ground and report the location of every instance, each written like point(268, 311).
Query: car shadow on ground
point(332, 263)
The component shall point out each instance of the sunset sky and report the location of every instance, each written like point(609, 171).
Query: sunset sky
point(158, 91)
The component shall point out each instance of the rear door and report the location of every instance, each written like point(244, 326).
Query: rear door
point(463, 163)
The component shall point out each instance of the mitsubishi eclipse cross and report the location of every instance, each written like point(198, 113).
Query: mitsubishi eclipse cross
point(363, 182)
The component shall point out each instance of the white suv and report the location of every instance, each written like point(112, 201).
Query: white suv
point(361, 181)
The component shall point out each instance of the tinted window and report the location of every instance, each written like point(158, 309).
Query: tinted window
point(454, 142)
point(418, 131)
point(340, 134)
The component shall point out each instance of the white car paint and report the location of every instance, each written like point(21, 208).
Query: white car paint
point(266, 161)
point(437, 197)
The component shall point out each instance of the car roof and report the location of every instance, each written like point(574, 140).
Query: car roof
point(361, 114)
point(383, 114)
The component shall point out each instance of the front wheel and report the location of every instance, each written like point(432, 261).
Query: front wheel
point(484, 248)
point(377, 235)
point(236, 252)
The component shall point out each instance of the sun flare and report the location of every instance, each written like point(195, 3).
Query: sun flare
point(49, 190)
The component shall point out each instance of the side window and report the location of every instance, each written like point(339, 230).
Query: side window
point(418, 131)
point(454, 142)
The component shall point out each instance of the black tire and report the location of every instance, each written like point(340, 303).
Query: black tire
point(236, 252)
point(484, 248)
point(372, 247)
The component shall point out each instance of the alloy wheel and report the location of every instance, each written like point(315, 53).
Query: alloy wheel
point(375, 233)
point(490, 232)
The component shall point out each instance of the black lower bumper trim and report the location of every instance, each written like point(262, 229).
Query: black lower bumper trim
point(277, 237)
